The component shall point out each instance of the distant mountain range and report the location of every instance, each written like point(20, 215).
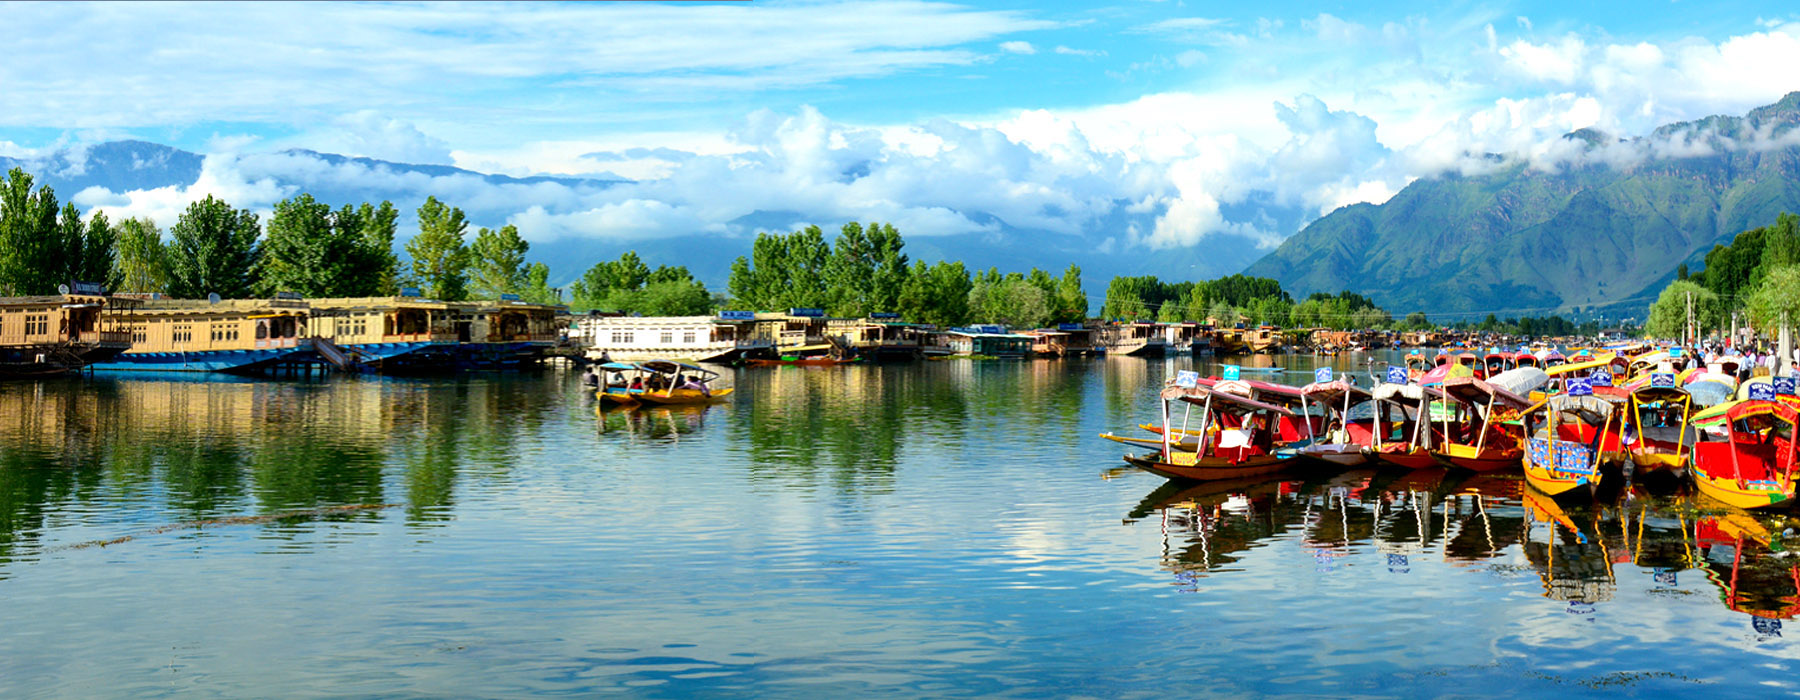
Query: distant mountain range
point(1601, 233)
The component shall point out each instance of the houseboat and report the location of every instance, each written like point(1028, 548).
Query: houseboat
point(200, 335)
point(1065, 340)
point(56, 334)
point(990, 341)
point(721, 338)
point(1137, 338)
point(880, 336)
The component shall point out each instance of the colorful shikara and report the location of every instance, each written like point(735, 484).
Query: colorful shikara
point(1476, 437)
point(1337, 444)
point(1400, 430)
point(1659, 424)
point(1237, 436)
point(1744, 454)
point(1568, 439)
point(660, 382)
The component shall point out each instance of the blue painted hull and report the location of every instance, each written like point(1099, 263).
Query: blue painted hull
point(206, 361)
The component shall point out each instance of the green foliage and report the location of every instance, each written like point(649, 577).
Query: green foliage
point(1417, 321)
point(1012, 299)
point(1733, 269)
point(32, 251)
point(497, 262)
point(937, 294)
point(1776, 299)
point(142, 259)
point(784, 271)
point(440, 261)
point(1668, 315)
point(213, 250)
point(373, 269)
point(537, 289)
point(627, 285)
point(317, 252)
point(1071, 299)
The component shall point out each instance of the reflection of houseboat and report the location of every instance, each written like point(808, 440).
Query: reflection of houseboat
point(1138, 338)
point(49, 335)
point(197, 335)
point(692, 338)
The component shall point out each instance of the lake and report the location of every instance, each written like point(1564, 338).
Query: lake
point(938, 529)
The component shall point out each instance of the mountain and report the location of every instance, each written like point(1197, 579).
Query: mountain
point(1608, 230)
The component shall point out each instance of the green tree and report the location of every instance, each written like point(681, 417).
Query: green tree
point(1776, 299)
point(1417, 321)
point(596, 286)
point(31, 253)
point(783, 271)
point(497, 262)
point(440, 261)
point(213, 250)
point(850, 273)
point(372, 269)
point(1071, 299)
point(99, 258)
point(537, 289)
point(1668, 314)
point(143, 264)
point(890, 267)
point(302, 252)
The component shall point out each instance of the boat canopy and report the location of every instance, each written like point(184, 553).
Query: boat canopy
point(1334, 392)
point(1708, 393)
point(619, 366)
point(1521, 381)
point(1406, 394)
point(1738, 410)
point(1222, 400)
point(673, 367)
point(1583, 367)
point(1592, 410)
point(1477, 392)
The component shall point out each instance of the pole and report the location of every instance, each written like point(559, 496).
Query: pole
point(1688, 330)
point(1786, 361)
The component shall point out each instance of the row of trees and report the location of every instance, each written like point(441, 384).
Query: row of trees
point(1755, 279)
point(308, 247)
point(865, 270)
point(1235, 298)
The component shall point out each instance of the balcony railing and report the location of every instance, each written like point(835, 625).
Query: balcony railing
point(106, 337)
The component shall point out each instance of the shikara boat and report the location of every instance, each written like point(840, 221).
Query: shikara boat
point(1476, 437)
point(1238, 437)
point(1568, 439)
point(1659, 418)
point(1400, 430)
point(660, 382)
point(1744, 454)
point(1337, 444)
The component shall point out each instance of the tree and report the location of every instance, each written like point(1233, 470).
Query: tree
point(1071, 300)
point(497, 262)
point(890, 267)
point(1417, 321)
point(850, 273)
point(303, 252)
point(439, 259)
point(30, 250)
point(1776, 299)
point(601, 281)
point(142, 259)
point(99, 258)
point(1668, 314)
point(214, 250)
point(373, 268)
point(537, 289)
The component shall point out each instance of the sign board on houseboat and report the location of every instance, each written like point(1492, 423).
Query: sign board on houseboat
point(885, 315)
point(288, 296)
point(990, 329)
point(738, 315)
point(807, 313)
point(409, 291)
point(509, 297)
point(1068, 326)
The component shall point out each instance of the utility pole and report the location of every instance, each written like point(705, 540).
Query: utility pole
point(1687, 332)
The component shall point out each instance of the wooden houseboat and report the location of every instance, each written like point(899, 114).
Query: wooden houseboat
point(199, 335)
point(55, 334)
point(882, 337)
point(1137, 338)
point(1065, 340)
point(722, 338)
point(990, 341)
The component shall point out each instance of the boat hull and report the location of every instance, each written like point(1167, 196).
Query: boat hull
point(1209, 469)
point(1726, 490)
point(233, 361)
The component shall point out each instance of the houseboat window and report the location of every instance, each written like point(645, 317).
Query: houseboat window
point(621, 337)
point(668, 337)
point(262, 330)
point(37, 325)
point(687, 338)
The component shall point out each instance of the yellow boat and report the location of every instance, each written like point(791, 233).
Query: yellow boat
point(1744, 455)
point(659, 382)
point(1568, 439)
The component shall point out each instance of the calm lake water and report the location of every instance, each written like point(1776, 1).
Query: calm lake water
point(936, 529)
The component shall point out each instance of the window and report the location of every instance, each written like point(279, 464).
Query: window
point(621, 337)
point(687, 338)
point(668, 337)
point(37, 324)
point(182, 333)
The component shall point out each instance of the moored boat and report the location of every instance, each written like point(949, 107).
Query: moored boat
point(1744, 453)
point(1568, 439)
point(661, 382)
point(1237, 437)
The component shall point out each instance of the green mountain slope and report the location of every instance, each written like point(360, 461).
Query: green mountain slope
point(1523, 241)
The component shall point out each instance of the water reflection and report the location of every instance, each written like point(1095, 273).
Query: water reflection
point(1579, 555)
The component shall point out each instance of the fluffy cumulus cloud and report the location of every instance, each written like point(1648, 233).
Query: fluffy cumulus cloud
point(1252, 159)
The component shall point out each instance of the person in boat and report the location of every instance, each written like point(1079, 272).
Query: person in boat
point(592, 378)
point(693, 384)
point(637, 384)
point(617, 381)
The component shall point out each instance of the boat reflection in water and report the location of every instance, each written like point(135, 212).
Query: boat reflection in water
point(1582, 556)
point(662, 423)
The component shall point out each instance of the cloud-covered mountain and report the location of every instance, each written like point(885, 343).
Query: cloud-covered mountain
point(1603, 222)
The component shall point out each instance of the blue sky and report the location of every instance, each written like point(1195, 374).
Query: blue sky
point(1134, 125)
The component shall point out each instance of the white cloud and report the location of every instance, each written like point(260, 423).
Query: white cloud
point(368, 134)
point(1018, 47)
point(1090, 53)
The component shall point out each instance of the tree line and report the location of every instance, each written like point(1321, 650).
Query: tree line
point(1237, 299)
point(1754, 280)
point(307, 247)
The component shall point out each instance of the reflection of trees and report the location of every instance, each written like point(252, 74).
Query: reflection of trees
point(844, 425)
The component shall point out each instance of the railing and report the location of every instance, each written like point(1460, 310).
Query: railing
point(106, 337)
point(416, 337)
